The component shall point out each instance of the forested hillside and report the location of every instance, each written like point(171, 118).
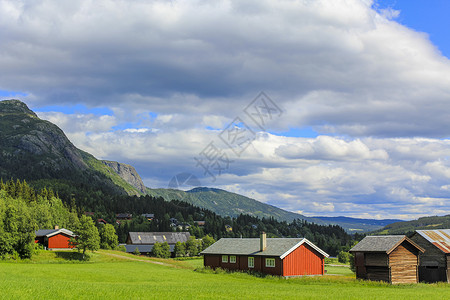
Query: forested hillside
point(22, 211)
point(408, 227)
point(36, 150)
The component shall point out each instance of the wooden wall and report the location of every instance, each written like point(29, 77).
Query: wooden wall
point(433, 264)
point(403, 263)
point(400, 266)
point(303, 261)
point(59, 241)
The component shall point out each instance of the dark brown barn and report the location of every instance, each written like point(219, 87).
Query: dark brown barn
point(276, 256)
point(54, 238)
point(390, 258)
point(434, 263)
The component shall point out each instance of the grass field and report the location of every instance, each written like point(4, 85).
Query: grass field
point(115, 275)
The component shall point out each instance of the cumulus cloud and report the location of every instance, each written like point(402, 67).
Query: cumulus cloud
point(175, 73)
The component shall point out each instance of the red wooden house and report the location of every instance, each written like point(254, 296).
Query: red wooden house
point(276, 256)
point(54, 238)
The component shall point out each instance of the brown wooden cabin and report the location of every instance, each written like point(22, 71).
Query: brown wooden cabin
point(390, 258)
point(275, 256)
point(434, 263)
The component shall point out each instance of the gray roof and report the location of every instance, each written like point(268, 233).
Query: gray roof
point(251, 246)
point(384, 243)
point(52, 232)
point(144, 248)
point(149, 238)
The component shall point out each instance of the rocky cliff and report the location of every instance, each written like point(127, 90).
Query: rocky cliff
point(36, 150)
point(127, 173)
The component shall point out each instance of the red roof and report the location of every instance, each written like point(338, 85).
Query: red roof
point(438, 237)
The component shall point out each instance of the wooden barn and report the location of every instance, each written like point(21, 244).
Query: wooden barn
point(276, 256)
point(144, 241)
point(390, 258)
point(434, 263)
point(54, 238)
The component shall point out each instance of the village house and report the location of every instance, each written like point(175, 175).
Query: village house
point(53, 239)
point(276, 256)
point(434, 263)
point(144, 241)
point(149, 217)
point(124, 216)
point(390, 258)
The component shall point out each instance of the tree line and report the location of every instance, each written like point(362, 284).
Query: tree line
point(23, 210)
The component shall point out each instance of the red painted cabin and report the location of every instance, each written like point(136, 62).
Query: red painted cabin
point(54, 238)
point(275, 256)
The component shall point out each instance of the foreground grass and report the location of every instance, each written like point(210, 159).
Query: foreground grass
point(111, 277)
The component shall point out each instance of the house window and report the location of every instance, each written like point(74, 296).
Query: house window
point(224, 258)
point(270, 262)
point(251, 262)
point(233, 259)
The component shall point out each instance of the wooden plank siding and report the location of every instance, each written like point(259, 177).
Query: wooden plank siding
point(303, 261)
point(403, 263)
point(399, 266)
point(448, 268)
point(433, 263)
point(59, 241)
point(376, 259)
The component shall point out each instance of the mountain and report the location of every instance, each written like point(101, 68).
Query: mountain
point(357, 224)
point(228, 204)
point(407, 227)
point(39, 152)
point(127, 173)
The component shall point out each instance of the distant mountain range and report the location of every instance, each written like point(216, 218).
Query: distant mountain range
point(39, 152)
point(356, 224)
point(408, 227)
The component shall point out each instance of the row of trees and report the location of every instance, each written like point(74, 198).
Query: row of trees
point(23, 211)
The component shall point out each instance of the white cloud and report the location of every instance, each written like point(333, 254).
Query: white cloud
point(376, 91)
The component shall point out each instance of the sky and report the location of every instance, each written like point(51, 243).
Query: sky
point(321, 107)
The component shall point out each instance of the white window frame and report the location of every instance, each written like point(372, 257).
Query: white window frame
point(224, 258)
point(251, 262)
point(270, 262)
point(232, 259)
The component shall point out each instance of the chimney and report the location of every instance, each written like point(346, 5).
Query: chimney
point(263, 241)
point(56, 227)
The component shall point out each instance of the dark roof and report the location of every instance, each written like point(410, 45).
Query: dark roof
point(52, 232)
point(149, 238)
point(440, 238)
point(144, 248)
point(383, 243)
point(124, 215)
point(251, 246)
point(148, 215)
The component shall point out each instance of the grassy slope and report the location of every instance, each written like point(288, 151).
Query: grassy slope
point(97, 165)
point(228, 204)
point(107, 277)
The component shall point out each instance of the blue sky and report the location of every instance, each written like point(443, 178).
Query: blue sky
point(426, 16)
point(363, 86)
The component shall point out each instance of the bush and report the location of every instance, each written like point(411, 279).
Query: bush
point(344, 257)
point(136, 251)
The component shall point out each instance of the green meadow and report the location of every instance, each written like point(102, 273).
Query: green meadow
point(115, 275)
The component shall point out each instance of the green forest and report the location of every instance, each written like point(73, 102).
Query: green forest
point(24, 210)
